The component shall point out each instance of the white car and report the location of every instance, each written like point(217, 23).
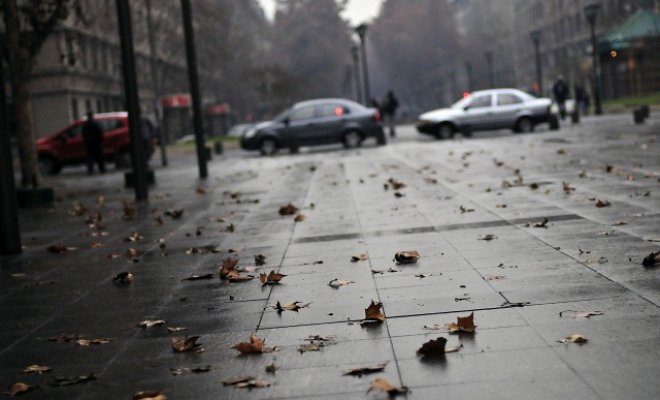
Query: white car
point(488, 109)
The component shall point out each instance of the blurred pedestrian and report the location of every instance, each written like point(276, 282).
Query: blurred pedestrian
point(390, 105)
point(581, 98)
point(374, 103)
point(148, 135)
point(92, 133)
point(561, 92)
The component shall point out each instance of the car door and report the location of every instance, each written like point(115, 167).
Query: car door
point(301, 125)
point(507, 109)
point(329, 125)
point(114, 135)
point(479, 112)
point(71, 145)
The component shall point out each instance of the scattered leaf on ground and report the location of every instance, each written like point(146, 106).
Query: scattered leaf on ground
point(59, 249)
point(360, 257)
point(288, 209)
point(19, 388)
point(149, 395)
point(465, 210)
point(198, 277)
point(228, 266)
point(71, 380)
point(543, 224)
point(134, 237)
point(254, 346)
point(374, 312)
point(602, 203)
point(259, 260)
point(304, 348)
point(494, 277)
point(151, 323)
point(319, 338)
point(383, 385)
point(337, 283)
point(462, 324)
point(271, 279)
point(369, 369)
point(581, 314)
point(295, 306)
point(253, 383)
point(88, 342)
point(271, 368)
point(574, 339)
point(236, 379)
point(181, 345)
point(652, 259)
point(488, 237)
point(436, 348)
point(396, 185)
point(173, 329)
point(36, 369)
point(299, 218)
point(406, 257)
point(174, 214)
point(567, 187)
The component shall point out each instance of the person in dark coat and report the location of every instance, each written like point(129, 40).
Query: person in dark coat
point(390, 105)
point(92, 133)
point(561, 92)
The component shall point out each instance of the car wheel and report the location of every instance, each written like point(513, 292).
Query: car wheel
point(445, 131)
point(352, 139)
point(525, 125)
point(48, 166)
point(268, 147)
point(122, 160)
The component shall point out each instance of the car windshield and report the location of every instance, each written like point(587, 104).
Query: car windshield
point(462, 102)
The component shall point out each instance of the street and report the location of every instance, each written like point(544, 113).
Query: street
point(541, 236)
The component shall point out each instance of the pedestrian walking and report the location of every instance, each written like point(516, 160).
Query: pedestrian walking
point(92, 133)
point(390, 105)
point(561, 92)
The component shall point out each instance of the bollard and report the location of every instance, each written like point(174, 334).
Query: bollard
point(553, 121)
point(575, 116)
point(646, 111)
point(638, 116)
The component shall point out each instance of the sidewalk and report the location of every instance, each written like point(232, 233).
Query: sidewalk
point(585, 258)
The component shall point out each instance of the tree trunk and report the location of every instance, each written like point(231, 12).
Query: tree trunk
point(20, 66)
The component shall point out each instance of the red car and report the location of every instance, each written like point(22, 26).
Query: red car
point(67, 147)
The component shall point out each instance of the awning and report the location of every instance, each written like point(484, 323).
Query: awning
point(642, 24)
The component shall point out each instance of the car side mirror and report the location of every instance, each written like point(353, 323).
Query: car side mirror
point(466, 108)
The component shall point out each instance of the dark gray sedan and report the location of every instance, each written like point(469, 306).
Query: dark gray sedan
point(316, 122)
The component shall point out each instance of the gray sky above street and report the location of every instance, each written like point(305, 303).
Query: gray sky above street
point(357, 11)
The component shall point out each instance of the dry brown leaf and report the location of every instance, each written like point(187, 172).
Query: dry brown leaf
point(259, 260)
point(181, 345)
point(567, 187)
point(295, 306)
point(132, 253)
point(581, 314)
point(36, 369)
point(253, 383)
point(383, 385)
point(319, 338)
point(360, 257)
point(465, 210)
point(235, 276)
point(236, 379)
point(463, 324)
point(576, 338)
point(406, 257)
point(200, 190)
point(87, 342)
point(228, 265)
point(374, 312)
point(396, 185)
point(19, 388)
point(436, 348)
point(488, 237)
point(174, 214)
point(494, 277)
point(123, 278)
point(198, 277)
point(299, 218)
point(128, 211)
point(369, 369)
point(652, 259)
point(602, 203)
point(151, 323)
point(288, 209)
point(256, 345)
point(176, 329)
point(304, 348)
point(337, 283)
point(59, 249)
point(149, 395)
point(134, 237)
point(272, 278)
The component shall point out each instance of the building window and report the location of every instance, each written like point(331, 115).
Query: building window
point(88, 106)
point(99, 107)
point(74, 108)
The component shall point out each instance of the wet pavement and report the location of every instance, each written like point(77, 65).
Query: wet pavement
point(584, 258)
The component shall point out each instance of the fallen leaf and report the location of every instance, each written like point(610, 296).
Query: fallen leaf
point(71, 380)
point(369, 369)
point(253, 383)
point(295, 306)
point(543, 224)
point(652, 259)
point(304, 348)
point(123, 278)
point(581, 314)
point(487, 237)
point(254, 346)
point(436, 348)
point(36, 369)
point(272, 278)
point(360, 257)
point(181, 345)
point(465, 210)
point(151, 323)
point(374, 312)
point(132, 253)
point(383, 385)
point(176, 329)
point(134, 237)
point(88, 342)
point(288, 209)
point(462, 324)
point(567, 187)
point(149, 395)
point(228, 266)
point(128, 211)
point(198, 277)
point(396, 185)
point(494, 277)
point(236, 379)
point(200, 190)
point(59, 249)
point(271, 368)
point(609, 168)
point(299, 218)
point(337, 283)
point(406, 257)
point(235, 276)
point(259, 260)
point(573, 339)
point(319, 338)
point(602, 203)
point(174, 214)
point(19, 388)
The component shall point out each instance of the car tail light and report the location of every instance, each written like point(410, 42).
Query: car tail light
point(377, 116)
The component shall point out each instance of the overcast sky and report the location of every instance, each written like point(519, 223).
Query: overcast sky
point(357, 11)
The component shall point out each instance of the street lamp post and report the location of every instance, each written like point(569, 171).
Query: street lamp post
point(536, 39)
point(361, 30)
point(355, 53)
point(590, 12)
point(154, 79)
point(491, 74)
